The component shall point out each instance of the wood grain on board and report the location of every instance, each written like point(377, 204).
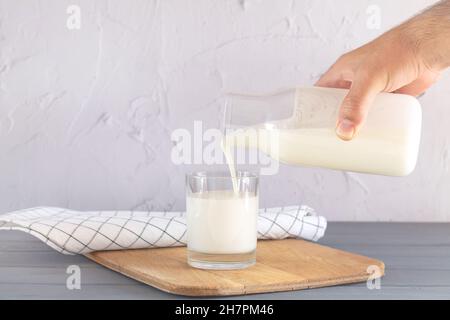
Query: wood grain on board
point(282, 265)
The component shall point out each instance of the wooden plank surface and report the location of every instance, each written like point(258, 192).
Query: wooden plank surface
point(416, 257)
point(282, 265)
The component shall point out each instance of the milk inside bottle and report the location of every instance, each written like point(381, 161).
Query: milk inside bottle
point(297, 127)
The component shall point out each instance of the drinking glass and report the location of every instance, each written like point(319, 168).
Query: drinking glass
point(221, 219)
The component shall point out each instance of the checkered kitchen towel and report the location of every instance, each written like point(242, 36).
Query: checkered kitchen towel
point(75, 232)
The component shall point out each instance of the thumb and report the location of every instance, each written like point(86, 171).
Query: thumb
point(355, 106)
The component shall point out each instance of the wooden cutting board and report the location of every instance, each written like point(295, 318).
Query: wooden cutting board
point(282, 265)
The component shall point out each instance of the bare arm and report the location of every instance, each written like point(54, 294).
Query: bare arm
point(407, 59)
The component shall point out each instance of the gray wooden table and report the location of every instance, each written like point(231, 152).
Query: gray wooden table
point(417, 258)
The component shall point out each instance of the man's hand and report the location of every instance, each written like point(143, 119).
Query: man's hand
point(407, 59)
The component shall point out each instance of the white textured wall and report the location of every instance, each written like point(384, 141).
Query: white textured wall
point(86, 115)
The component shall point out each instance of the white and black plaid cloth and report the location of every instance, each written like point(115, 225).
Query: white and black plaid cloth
point(75, 232)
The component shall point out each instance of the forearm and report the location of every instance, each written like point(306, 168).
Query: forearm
point(429, 33)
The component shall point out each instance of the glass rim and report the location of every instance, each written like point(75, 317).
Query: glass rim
point(221, 175)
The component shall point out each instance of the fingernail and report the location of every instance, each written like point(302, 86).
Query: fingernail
point(345, 129)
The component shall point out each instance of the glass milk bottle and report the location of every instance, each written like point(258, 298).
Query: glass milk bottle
point(297, 127)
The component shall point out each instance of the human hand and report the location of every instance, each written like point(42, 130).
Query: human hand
point(388, 64)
